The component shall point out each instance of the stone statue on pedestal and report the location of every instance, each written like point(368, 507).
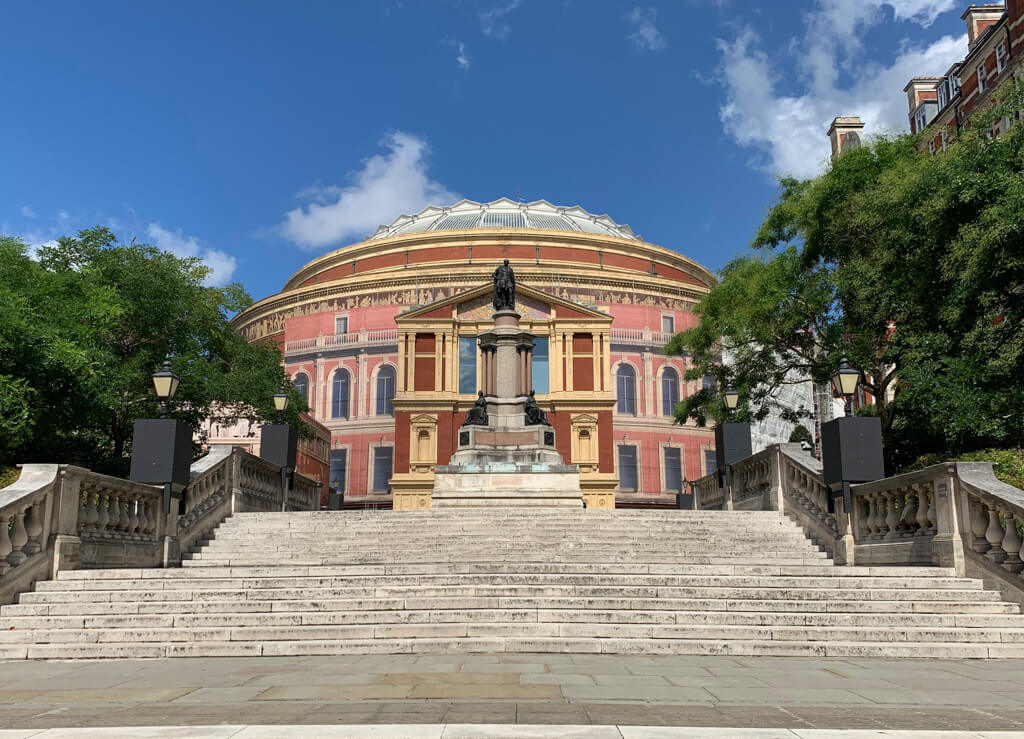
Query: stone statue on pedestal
point(477, 415)
point(534, 415)
point(504, 288)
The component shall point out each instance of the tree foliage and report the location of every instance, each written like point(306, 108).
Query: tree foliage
point(85, 323)
point(912, 266)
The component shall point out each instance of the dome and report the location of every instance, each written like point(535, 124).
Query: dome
point(504, 213)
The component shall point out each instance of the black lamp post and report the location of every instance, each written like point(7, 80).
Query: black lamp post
point(685, 496)
point(851, 446)
point(278, 444)
point(162, 447)
point(732, 440)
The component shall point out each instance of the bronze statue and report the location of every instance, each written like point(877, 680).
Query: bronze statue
point(504, 288)
point(477, 415)
point(534, 415)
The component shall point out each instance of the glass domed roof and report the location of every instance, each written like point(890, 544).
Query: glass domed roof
point(504, 213)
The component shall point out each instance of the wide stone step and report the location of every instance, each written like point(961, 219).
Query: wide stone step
point(737, 648)
point(818, 569)
point(546, 579)
point(24, 624)
point(514, 629)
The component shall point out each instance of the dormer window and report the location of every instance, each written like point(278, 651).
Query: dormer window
point(943, 93)
point(919, 121)
point(954, 86)
point(982, 77)
point(1000, 57)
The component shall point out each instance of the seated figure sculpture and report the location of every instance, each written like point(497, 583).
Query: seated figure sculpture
point(477, 415)
point(534, 415)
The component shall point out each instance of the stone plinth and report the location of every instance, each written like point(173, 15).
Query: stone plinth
point(507, 483)
point(506, 462)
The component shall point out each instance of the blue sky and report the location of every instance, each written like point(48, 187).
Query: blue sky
point(259, 135)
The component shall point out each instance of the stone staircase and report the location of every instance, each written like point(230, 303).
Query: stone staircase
point(511, 580)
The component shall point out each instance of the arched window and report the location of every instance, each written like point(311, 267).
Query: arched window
point(625, 389)
point(385, 391)
point(669, 391)
point(301, 383)
point(339, 394)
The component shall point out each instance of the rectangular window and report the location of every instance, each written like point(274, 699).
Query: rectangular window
point(982, 77)
point(673, 469)
point(1000, 57)
point(467, 365)
point(943, 94)
point(931, 147)
point(919, 121)
point(668, 324)
point(541, 382)
point(710, 462)
point(945, 140)
point(341, 324)
point(627, 468)
point(382, 459)
point(339, 469)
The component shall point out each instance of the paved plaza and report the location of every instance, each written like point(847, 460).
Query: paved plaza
point(794, 694)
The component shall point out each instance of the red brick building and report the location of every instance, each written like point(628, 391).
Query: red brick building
point(346, 322)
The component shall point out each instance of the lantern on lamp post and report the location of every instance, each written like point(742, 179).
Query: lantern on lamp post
point(278, 444)
point(732, 443)
point(851, 446)
point(162, 447)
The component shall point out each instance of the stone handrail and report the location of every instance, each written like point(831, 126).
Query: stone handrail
point(64, 517)
point(954, 514)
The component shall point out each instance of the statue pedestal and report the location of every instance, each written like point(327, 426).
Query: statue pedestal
point(506, 462)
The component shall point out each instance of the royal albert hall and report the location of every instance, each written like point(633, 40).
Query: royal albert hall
point(381, 338)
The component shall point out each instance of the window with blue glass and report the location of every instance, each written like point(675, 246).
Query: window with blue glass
point(625, 389)
point(541, 383)
point(673, 469)
point(386, 391)
point(339, 469)
point(382, 465)
point(669, 391)
point(467, 365)
point(301, 383)
point(339, 394)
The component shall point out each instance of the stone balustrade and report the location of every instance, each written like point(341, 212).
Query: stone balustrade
point(378, 337)
point(954, 514)
point(58, 517)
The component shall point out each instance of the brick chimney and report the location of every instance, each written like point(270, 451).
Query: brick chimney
point(980, 17)
point(844, 133)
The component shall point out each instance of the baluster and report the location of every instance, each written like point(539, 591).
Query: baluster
point(979, 525)
point(892, 518)
point(87, 521)
point(922, 510)
point(933, 520)
point(134, 520)
point(1011, 545)
point(34, 527)
point(19, 537)
point(148, 520)
point(994, 536)
point(877, 515)
point(5, 543)
point(908, 517)
point(103, 513)
point(124, 518)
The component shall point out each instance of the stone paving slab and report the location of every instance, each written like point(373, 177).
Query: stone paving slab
point(358, 693)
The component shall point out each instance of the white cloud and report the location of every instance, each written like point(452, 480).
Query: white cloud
point(461, 55)
point(387, 186)
point(645, 29)
point(788, 131)
point(27, 212)
point(221, 265)
point(493, 21)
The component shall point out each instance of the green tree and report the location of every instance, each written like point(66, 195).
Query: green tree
point(84, 325)
point(912, 266)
